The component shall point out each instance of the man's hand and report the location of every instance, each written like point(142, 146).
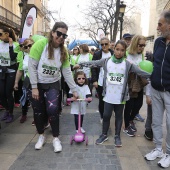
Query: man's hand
point(148, 100)
point(16, 86)
point(95, 84)
point(35, 94)
point(75, 95)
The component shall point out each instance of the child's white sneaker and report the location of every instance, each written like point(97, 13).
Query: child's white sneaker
point(57, 145)
point(40, 142)
point(155, 153)
point(82, 130)
point(165, 161)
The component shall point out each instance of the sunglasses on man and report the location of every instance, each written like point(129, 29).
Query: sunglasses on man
point(104, 44)
point(59, 34)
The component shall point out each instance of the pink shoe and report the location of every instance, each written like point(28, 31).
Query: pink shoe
point(1, 107)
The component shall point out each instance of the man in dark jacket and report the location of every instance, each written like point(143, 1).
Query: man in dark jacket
point(160, 91)
point(98, 73)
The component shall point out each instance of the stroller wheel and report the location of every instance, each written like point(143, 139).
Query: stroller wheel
point(86, 141)
point(71, 140)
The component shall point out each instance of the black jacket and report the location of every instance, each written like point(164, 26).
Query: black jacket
point(160, 78)
point(96, 70)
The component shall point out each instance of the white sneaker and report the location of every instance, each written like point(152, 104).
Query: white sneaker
point(57, 145)
point(40, 142)
point(155, 153)
point(165, 161)
point(82, 130)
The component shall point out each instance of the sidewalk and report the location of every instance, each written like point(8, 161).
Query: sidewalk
point(17, 146)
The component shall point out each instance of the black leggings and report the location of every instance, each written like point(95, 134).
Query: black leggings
point(76, 120)
point(6, 91)
point(101, 102)
point(47, 105)
point(108, 109)
point(132, 108)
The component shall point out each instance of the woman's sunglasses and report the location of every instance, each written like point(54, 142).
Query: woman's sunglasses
point(141, 45)
point(27, 46)
point(1, 33)
point(59, 34)
point(81, 78)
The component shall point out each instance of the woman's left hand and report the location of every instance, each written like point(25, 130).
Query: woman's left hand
point(10, 41)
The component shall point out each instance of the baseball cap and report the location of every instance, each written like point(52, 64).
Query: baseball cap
point(21, 40)
point(127, 35)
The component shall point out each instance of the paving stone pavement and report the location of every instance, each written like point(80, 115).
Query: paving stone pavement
point(17, 143)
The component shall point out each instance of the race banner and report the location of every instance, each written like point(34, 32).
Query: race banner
point(29, 22)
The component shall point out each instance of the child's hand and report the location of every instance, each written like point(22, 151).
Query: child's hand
point(89, 99)
point(10, 41)
point(148, 100)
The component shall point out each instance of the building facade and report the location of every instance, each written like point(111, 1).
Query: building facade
point(10, 15)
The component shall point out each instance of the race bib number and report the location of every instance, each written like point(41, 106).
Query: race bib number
point(115, 78)
point(5, 62)
point(49, 70)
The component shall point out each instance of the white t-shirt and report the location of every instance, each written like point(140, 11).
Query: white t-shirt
point(82, 92)
point(135, 59)
point(82, 59)
point(49, 69)
point(114, 82)
point(101, 73)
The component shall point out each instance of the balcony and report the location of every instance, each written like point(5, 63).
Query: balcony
point(10, 19)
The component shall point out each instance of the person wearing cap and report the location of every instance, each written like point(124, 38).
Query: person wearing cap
point(127, 38)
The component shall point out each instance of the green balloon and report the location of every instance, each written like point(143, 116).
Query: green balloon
point(37, 37)
point(146, 65)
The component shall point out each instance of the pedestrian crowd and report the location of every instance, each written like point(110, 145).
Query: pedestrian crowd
point(35, 71)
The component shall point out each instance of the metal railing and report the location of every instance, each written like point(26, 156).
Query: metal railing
point(9, 18)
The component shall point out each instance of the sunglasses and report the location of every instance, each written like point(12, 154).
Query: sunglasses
point(1, 33)
point(141, 45)
point(59, 34)
point(21, 45)
point(104, 44)
point(81, 78)
point(27, 46)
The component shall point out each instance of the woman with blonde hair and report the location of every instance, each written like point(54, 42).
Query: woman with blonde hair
point(48, 57)
point(133, 105)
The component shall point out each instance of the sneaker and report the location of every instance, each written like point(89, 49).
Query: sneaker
point(82, 130)
point(155, 153)
point(23, 118)
point(139, 118)
point(33, 123)
point(101, 139)
point(129, 131)
point(148, 134)
point(16, 105)
point(5, 115)
point(40, 142)
point(118, 142)
point(9, 119)
point(132, 126)
point(57, 145)
point(165, 161)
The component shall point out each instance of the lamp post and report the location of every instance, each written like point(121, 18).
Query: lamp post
point(121, 14)
point(23, 11)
